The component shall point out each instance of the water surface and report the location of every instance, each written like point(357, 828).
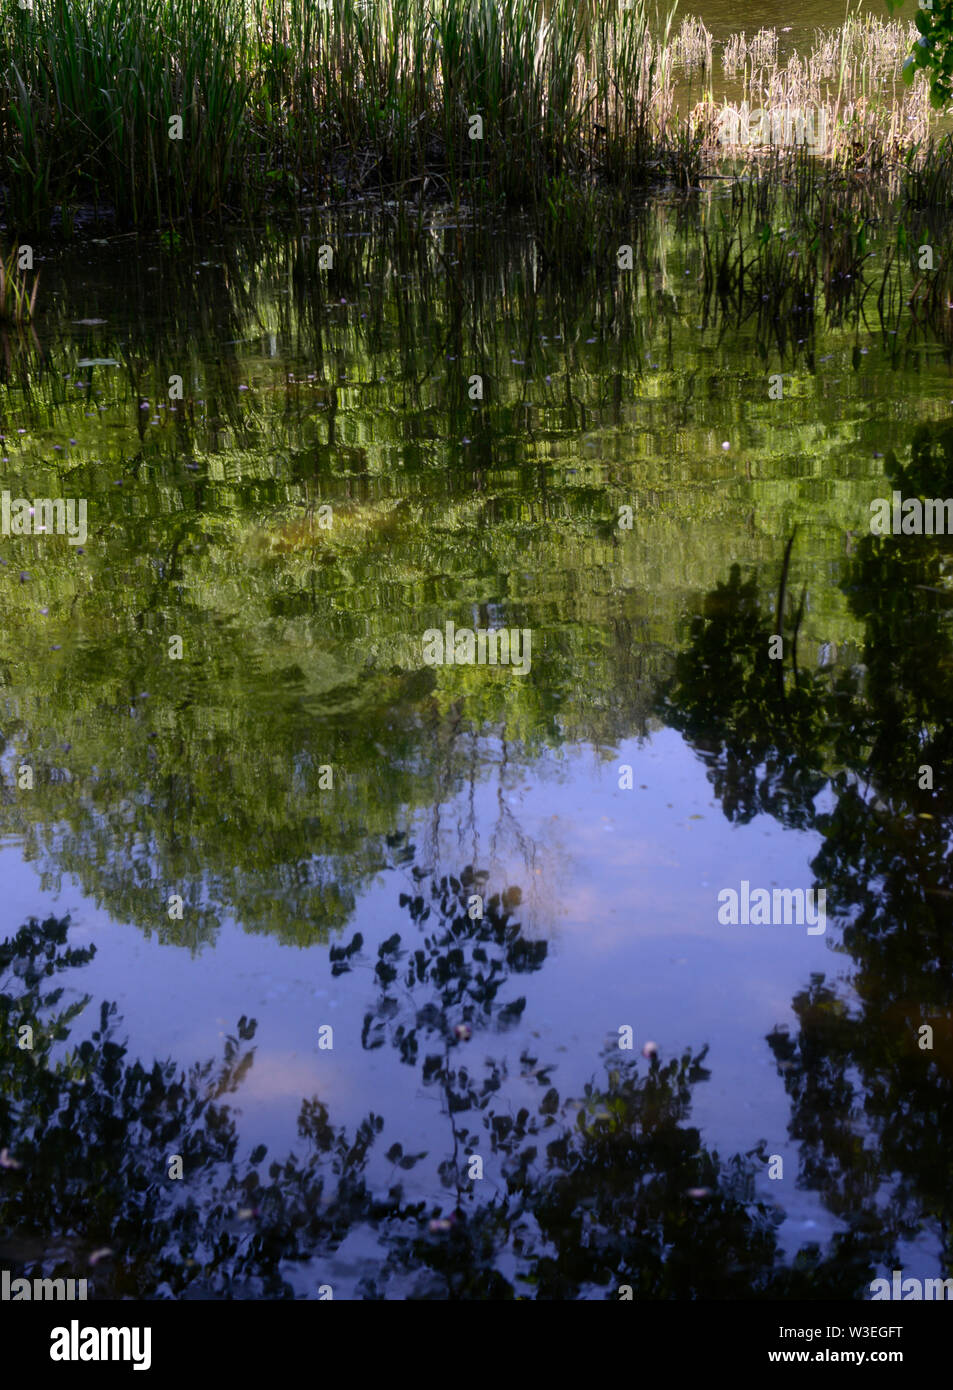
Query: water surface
point(652, 756)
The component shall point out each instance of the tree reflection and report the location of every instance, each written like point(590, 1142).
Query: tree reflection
point(872, 1104)
point(613, 1188)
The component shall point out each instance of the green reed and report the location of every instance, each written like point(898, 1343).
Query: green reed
point(17, 300)
point(305, 100)
point(89, 91)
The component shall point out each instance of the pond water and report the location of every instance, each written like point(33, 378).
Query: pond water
point(722, 18)
point(290, 816)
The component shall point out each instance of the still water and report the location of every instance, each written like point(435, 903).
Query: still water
point(477, 879)
point(723, 18)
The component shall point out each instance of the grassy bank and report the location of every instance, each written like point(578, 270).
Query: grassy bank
point(156, 112)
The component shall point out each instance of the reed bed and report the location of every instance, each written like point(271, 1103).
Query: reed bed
point(800, 247)
point(847, 90)
point(159, 112)
point(17, 298)
point(692, 46)
point(758, 52)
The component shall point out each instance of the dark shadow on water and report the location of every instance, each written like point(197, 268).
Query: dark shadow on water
point(861, 754)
